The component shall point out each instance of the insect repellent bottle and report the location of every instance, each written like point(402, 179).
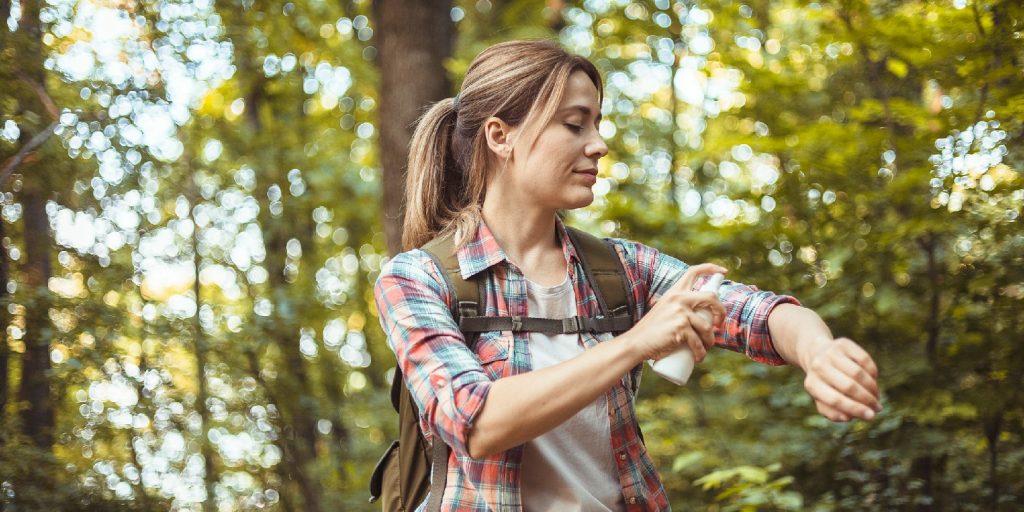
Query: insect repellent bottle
point(677, 366)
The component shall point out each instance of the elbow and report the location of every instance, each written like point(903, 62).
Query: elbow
point(453, 420)
point(479, 447)
point(475, 448)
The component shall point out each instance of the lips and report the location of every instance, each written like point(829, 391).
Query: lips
point(589, 176)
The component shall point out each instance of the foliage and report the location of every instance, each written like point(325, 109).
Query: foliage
point(213, 190)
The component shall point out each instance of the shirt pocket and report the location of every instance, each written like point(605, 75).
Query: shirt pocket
point(493, 349)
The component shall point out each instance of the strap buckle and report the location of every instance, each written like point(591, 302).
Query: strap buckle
point(571, 325)
point(468, 308)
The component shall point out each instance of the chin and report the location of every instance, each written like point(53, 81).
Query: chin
point(581, 200)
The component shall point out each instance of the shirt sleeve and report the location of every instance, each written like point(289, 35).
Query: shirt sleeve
point(745, 329)
point(446, 380)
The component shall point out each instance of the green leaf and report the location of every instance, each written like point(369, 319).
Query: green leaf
point(896, 67)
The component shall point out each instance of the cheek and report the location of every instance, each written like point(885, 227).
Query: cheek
point(555, 154)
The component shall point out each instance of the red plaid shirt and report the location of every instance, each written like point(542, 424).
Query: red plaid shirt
point(449, 382)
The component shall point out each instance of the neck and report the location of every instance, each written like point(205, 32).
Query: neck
point(525, 233)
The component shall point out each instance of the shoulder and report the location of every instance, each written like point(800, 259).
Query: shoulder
point(413, 267)
point(632, 252)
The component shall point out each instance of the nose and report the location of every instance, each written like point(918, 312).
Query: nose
point(596, 147)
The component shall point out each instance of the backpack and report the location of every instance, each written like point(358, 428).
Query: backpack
point(402, 476)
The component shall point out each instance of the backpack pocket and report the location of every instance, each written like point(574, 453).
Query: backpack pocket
point(492, 349)
point(384, 480)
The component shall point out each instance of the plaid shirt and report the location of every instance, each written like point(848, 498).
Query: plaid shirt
point(449, 382)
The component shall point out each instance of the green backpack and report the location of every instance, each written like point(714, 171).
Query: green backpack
point(401, 479)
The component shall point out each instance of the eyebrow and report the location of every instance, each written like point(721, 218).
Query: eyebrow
point(583, 110)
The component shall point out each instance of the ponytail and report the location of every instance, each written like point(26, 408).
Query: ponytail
point(435, 197)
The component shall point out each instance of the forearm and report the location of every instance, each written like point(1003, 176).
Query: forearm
point(522, 407)
point(797, 333)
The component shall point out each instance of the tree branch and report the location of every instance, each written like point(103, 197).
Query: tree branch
point(16, 160)
point(44, 97)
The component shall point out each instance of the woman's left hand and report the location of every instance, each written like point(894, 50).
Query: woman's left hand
point(843, 381)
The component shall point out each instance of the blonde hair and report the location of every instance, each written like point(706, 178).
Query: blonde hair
point(519, 82)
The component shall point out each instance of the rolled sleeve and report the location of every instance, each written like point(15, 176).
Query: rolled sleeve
point(445, 378)
point(745, 329)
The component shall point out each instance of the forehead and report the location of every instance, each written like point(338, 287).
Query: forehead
point(579, 90)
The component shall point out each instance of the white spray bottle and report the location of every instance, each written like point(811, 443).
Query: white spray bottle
point(677, 366)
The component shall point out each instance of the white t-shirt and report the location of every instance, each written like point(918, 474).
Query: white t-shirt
point(570, 468)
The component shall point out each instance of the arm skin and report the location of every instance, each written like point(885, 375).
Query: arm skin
point(526, 406)
point(529, 409)
point(841, 377)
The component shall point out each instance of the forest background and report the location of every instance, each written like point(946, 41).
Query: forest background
point(197, 197)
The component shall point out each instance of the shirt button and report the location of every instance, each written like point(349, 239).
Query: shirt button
point(632, 500)
point(440, 383)
point(622, 456)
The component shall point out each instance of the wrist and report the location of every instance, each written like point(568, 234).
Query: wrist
point(810, 347)
point(629, 349)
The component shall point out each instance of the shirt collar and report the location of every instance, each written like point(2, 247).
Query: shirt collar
point(482, 251)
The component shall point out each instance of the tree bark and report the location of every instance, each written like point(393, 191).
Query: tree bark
point(929, 244)
point(298, 418)
point(289, 391)
point(34, 389)
point(414, 37)
point(199, 337)
point(4, 321)
point(992, 429)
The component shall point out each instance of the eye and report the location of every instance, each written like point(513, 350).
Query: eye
point(575, 128)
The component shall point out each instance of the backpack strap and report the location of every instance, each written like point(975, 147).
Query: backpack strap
point(465, 303)
point(605, 273)
point(466, 293)
point(603, 270)
point(607, 276)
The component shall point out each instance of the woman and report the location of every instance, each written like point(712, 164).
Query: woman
point(546, 422)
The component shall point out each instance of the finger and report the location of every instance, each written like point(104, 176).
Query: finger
point(850, 388)
point(831, 413)
point(717, 312)
point(693, 341)
point(859, 355)
point(854, 371)
point(691, 275)
point(824, 393)
point(709, 301)
point(703, 328)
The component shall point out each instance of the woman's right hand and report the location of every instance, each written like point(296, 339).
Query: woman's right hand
point(673, 322)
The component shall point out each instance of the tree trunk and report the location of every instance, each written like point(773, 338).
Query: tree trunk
point(992, 429)
point(289, 391)
point(414, 37)
point(930, 245)
point(330, 371)
point(5, 12)
point(34, 391)
point(298, 418)
point(209, 474)
point(4, 320)
point(288, 472)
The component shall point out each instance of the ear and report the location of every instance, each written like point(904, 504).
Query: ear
point(499, 137)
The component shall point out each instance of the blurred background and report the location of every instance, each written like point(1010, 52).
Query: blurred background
point(198, 195)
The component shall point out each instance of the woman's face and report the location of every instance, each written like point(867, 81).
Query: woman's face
point(560, 169)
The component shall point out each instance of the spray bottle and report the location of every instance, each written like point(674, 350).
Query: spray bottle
point(677, 366)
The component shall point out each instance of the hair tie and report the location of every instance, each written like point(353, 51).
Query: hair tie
point(455, 103)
